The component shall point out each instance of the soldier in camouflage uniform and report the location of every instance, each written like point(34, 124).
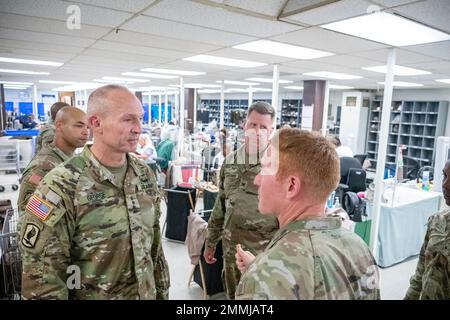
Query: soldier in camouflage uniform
point(71, 133)
point(235, 217)
point(47, 132)
point(91, 229)
point(311, 256)
point(432, 277)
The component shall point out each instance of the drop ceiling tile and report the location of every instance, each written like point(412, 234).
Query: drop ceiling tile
point(54, 9)
point(403, 56)
point(217, 18)
point(19, 22)
point(321, 39)
point(439, 50)
point(332, 12)
point(246, 55)
point(32, 45)
point(41, 37)
point(139, 38)
point(183, 31)
point(122, 5)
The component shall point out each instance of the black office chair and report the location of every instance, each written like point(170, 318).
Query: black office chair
point(356, 182)
point(360, 157)
point(411, 168)
point(346, 164)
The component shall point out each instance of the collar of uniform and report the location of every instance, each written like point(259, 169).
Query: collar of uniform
point(241, 157)
point(326, 223)
point(58, 151)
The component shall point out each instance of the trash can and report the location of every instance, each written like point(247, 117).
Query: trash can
point(178, 205)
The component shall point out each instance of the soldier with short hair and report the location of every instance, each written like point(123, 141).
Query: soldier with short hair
point(235, 217)
point(71, 132)
point(47, 132)
point(91, 229)
point(311, 256)
point(431, 280)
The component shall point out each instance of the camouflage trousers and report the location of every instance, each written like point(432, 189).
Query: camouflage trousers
point(230, 273)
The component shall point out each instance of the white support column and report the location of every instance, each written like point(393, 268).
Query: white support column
point(250, 96)
point(326, 102)
point(149, 108)
point(35, 102)
point(160, 110)
point(222, 105)
point(181, 141)
point(176, 114)
point(166, 108)
point(381, 158)
point(85, 100)
point(275, 87)
point(195, 110)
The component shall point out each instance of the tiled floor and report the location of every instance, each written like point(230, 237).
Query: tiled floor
point(393, 280)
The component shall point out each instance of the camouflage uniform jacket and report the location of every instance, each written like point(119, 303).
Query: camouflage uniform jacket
point(432, 277)
point(45, 137)
point(49, 157)
point(312, 259)
point(79, 217)
point(235, 217)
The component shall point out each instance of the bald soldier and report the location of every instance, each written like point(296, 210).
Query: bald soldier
point(71, 132)
point(312, 256)
point(47, 133)
point(91, 229)
point(235, 217)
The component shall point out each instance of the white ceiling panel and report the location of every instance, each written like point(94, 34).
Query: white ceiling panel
point(9, 52)
point(330, 41)
point(194, 66)
point(122, 5)
point(246, 55)
point(140, 50)
point(435, 13)
point(348, 61)
point(402, 56)
point(218, 18)
point(332, 12)
point(131, 57)
point(41, 37)
point(393, 3)
point(184, 31)
point(439, 50)
point(54, 9)
point(31, 46)
point(19, 22)
point(138, 38)
point(270, 8)
point(437, 66)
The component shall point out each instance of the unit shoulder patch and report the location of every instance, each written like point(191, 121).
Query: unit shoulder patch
point(30, 235)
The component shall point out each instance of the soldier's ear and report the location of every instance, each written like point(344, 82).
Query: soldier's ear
point(95, 124)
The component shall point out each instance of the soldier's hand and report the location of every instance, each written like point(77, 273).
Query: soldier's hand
point(243, 258)
point(208, 254)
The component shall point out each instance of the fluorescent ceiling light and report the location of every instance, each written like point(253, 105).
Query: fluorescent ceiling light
point(332, 75)
point(444, 80)
point(125, 79)
point(15, 82)
point(154, 93)
point(196, 85)
point(268, 80)
point(17, 85)
point(282, 49)
point(262, 90)
point(175, 72)
point(239, 83)
point(237, 90)
point(113, 81)
point(203, 58)
point(336, 86)
point(398, 70)
point(404, 84)
point(78, 86)
point(294, 88)
point(56, 82)
point(36, 62)
point(148, 75)
point(23, 71)
point(152, 88)
point(208, 91)
point(16, 88)
point(389, 29)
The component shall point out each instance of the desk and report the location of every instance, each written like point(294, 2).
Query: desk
point(402, 227)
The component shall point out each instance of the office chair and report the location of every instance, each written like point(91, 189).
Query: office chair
point(356, 182)
point(411, 168)
point(360, 157)
point(346, 164)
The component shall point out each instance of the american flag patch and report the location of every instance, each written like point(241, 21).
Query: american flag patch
point(39, 207)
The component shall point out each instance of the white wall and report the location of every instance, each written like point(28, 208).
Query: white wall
point(425, 95)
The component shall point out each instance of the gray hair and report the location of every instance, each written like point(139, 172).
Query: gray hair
point(98, 99)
